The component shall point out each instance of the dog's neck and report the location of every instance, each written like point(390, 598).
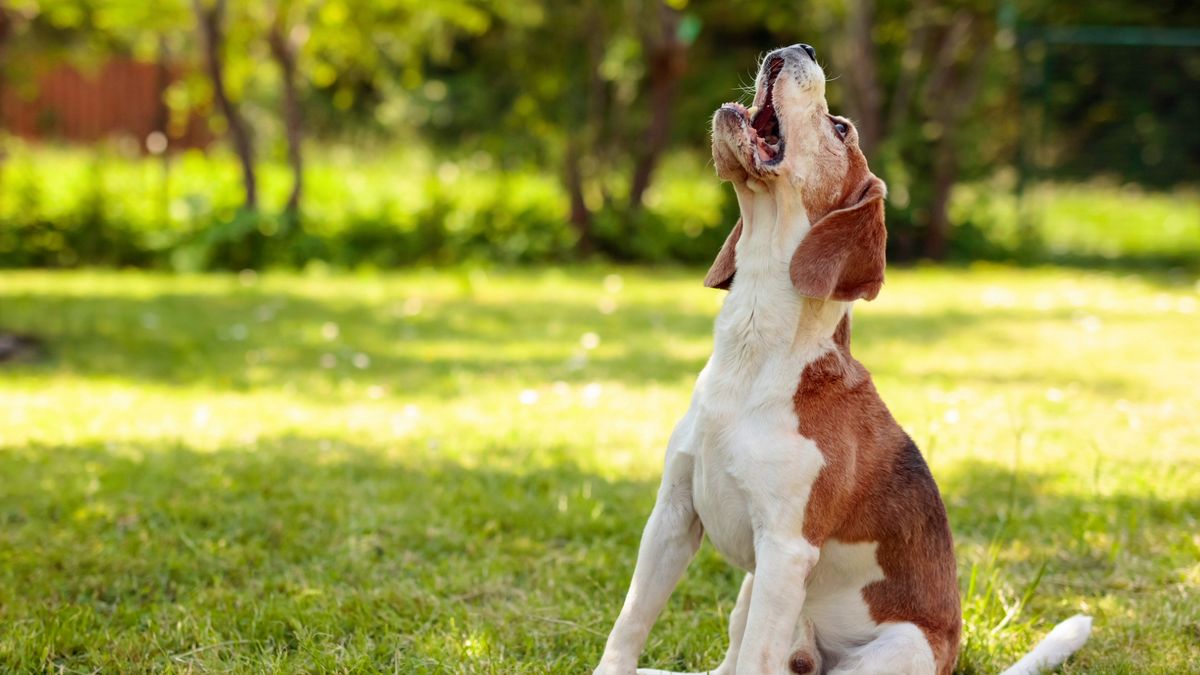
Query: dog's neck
point(763, 312)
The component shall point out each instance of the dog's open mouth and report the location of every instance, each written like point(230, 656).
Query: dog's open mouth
point(765, 121)
point(764, 130)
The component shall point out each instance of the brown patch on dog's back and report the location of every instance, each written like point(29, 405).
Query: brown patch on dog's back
point(876, 487)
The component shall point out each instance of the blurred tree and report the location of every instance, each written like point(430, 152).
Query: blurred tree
point(910, 113)
point(210, 17)
point(286, 38)
point(589, 86)
point(665, 45)
point(7, 28)
point(655, 36)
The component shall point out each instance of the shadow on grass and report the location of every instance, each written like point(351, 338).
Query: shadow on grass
point(122, 554)
point(317, 553)
point(1159, 269)
point(251, 339)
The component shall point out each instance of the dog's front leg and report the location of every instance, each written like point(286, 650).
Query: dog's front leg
point(781, 571)
point(669, 541)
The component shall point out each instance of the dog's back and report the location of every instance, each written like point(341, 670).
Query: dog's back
point(875, 488)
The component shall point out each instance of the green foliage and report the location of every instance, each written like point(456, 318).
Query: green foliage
point(1150, 138)
point(438, 472)
point(66, 208)
point(954, 90)
point(1095, 224)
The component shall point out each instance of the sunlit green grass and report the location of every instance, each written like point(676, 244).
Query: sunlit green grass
point(1095, 223)
point(449, 471)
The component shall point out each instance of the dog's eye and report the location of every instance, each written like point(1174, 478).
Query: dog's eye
point(841, 128)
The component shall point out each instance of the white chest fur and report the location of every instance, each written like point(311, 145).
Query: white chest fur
point(753, 468)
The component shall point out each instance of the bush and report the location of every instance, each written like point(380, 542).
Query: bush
point(64, 207)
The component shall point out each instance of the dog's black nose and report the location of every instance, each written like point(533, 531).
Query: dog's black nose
point(812, 53)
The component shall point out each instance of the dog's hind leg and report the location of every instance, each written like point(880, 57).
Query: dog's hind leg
point(900, 649)
point(737, 628)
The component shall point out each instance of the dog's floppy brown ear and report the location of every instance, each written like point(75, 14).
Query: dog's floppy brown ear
point(843, 256)
point(720, 275)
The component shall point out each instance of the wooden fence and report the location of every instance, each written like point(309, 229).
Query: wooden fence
point(122, 98)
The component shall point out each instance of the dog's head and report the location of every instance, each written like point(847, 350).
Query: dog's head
point(790, 148)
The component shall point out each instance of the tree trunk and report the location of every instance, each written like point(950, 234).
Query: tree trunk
point(860, 64)
point(284, 51)
point(950, 90)
point(211, 20)
point(945, 175)
point(667, 62)
point(905, 89)
point(6, 30)
point(162, 125)
point(580, 217)
point(162, 81)
point(586, 128)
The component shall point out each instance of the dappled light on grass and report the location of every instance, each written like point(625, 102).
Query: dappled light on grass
point(190, 482)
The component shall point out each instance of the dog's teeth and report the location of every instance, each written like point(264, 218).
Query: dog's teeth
point(752, 112)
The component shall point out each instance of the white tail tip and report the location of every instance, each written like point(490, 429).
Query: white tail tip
point(1066, 638)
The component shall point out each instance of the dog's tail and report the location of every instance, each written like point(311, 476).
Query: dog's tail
point(1066, 638)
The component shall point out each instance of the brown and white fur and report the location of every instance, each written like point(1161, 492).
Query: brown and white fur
point(787, 457)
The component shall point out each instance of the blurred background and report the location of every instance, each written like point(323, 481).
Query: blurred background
point(347, 335)
point(232, 135)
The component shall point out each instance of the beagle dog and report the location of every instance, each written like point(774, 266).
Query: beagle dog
point(787, 458)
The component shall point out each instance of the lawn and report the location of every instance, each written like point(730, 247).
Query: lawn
point(449, 471)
